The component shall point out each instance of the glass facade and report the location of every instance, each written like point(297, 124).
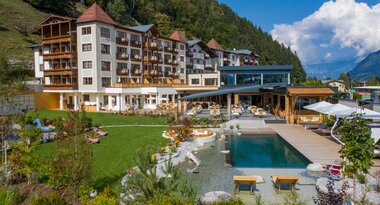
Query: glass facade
point(275, 78)
point(227, 79)
point(248, 79)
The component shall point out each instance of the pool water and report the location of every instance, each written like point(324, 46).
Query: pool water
point(264, 151)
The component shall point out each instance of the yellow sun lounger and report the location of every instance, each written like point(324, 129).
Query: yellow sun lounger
point(291, 181)
point(251, 180)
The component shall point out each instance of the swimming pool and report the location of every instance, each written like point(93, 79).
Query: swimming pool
point(264, 151)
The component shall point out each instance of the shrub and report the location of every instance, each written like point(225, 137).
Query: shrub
point(238, 126)
point(84, 190)
point(193, 120)
point(13, 197)
point(53, 199)
point(107, 197)
point(231, 202)
point(361, 179)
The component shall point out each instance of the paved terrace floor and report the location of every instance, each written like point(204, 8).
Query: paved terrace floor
point(313, 146)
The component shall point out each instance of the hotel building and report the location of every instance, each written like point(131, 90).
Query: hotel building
point(93, 61)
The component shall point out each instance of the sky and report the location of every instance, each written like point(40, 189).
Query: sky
point(319, 31)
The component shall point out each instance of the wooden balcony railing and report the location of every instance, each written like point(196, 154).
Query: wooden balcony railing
point(136, 44)
point(60, 86)
point(122, 71)
point(136, 57)
point(122, 56)
point(168, 49)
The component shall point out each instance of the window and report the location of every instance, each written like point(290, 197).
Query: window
point(105, 49)
point(182, 47)
point(195, 81)
point(275, 78)
point(41, 67)
point(227, 79)
point(86, 98)
point(135, 52)
point(86, 30)
point(106, 66)
point(121, 34)
point(86, 47)
point(105, 32)
point(182, 58)
point(106, 82)
point(182, 70)
point(87, 81)
point(87, 64)
point(135, 37)
point(248, 79)
point(210, 81)
point(40, 51)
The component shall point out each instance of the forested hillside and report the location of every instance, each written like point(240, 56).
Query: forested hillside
point(203, 19)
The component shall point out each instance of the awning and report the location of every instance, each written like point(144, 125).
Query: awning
point(250, 88)
point(317, 105)
point(366, 113)
point(331, 109)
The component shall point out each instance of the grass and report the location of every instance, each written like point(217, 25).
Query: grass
point(106, 118)
point(17, 16)
point(115, 153)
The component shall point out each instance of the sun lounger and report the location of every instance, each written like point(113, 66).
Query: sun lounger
point(291, 181)
point(251, 180)
point(99, 132)
point(91, 139)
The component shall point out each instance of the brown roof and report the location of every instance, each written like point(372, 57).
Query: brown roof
point(213, 44)
point(310, 91)
point(95, 13)
point(178, 36)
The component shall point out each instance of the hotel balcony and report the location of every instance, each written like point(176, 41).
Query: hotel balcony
point(207, 55)
point(136, 72)
point(60, 71)
point(189, 54)
point(153, 73)
point(122, 41)
point(175, 62)
point(122, 56)
point(175, 50)
point(60, 86)
point(160, 47)
point(172, 74)
point(152, 59)
point(136, 44)
point(58, 54)
point(136, 57)
point(199, 55)
point(168, 49)
point(59, 39)
point(122, 71)
point(150, 45)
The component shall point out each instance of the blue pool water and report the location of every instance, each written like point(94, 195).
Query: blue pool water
point(264, 151)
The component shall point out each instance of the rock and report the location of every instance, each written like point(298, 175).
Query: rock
point(239, 134)
point(315, 167)
point(93, 194)
point(193, 158)
point(195, 149)
point(223, 136)
point(215, 197)
point(322, 182)
point(225, 151)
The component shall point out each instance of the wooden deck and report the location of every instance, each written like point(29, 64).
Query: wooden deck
point(313, 146)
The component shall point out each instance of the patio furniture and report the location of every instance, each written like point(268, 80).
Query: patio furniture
point(250, 180)
point(291, 181)
point(260, 113)
point(91, 139)
point(99, 132)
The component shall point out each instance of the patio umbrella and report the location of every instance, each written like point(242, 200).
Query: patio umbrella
point(366, 113)
point(317, 105)
point(333, 108)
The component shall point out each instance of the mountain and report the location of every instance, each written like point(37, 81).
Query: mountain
point(332, 70)
point(368, 67)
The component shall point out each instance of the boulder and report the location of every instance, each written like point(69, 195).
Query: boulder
point(225, 151)
point(215, 197)
point(259, 179)
point(315, 167)
point(193, 158)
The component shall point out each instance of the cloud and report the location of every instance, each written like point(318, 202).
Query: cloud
point(345, 28)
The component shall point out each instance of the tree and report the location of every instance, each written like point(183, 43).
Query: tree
point(150, 186)
point(164, 24)
point(373, 81)
point(117, 10)
point(346, 79)
point(72, 155)
point(358, 149)
point(21, 161)
point(63, 7)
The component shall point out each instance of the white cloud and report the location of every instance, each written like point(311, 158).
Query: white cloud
point(328, 56)
point(344, 28)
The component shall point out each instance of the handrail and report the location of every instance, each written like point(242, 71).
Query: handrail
point(332, 135)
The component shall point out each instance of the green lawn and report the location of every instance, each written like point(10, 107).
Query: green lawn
point(115, 152)
point(106, 118)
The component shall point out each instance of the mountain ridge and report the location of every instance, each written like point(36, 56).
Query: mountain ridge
point(368, 67)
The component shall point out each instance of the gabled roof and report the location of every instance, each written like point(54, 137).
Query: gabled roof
point(213, 44)
point(178, 36)
point(142, 28)
point(241, 51)
point(52, 19)
point(95, 13)
point(203, 46)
